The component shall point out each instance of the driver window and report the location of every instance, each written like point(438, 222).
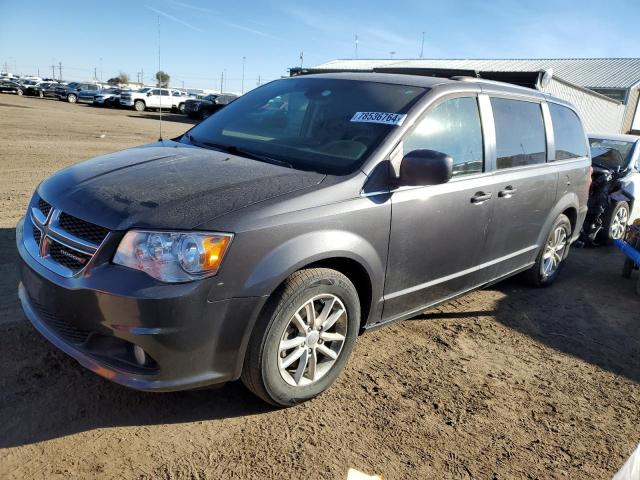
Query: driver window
point(452, 127)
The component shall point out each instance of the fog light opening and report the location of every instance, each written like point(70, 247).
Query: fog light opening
point(139, 355)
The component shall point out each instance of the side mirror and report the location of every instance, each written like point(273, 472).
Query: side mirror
point(148, 94)
point(425, 167)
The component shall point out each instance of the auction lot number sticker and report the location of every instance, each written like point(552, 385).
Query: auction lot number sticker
point(379, 117)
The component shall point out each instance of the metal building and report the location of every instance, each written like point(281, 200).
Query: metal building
point(604, 90)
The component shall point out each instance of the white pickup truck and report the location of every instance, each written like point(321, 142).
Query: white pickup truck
point(149, 97)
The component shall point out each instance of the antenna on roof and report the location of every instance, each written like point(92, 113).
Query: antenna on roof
point(159, 70)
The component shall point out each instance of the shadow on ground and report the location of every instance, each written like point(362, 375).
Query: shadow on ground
point(591, 312)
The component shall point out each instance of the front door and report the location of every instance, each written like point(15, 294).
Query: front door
point(438, 232)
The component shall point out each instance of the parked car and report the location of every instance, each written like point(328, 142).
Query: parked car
point(49, 89)
point(149, 97)
point(86, 95)
point(615, 186)
point(70, 93)
point(29, 87)
point(205, 107)
point(38, 89)
point(108, 98)
point(9, 86)
point(260, 243)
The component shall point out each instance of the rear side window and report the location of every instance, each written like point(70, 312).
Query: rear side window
point(568, 134)
point(452, 127)
point(520, 136)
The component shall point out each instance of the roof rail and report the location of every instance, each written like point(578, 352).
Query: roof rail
point(490, 82)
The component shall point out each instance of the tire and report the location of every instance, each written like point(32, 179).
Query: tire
point(265, 372)
point(19, 92)
point(181, 108)
point(615, 223)
point(41, 95)
point(539, 275)
point(72, 98)
point(139, 106)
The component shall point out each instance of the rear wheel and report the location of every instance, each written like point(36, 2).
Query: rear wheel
point(139, 105)
point(19, 91)
point(552, 254)
point(40, 94)
point(181, 108)
point(304, 338)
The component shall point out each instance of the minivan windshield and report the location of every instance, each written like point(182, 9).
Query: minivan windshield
point(601, 158)
point(325, 125)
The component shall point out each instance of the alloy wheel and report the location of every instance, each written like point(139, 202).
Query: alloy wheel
point(554, 251)
point(312, 340)
point(619, 223)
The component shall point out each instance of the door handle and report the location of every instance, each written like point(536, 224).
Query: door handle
point(480, 197)
point(507, 192)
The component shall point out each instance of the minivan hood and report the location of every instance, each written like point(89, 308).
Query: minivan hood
point(167, 185)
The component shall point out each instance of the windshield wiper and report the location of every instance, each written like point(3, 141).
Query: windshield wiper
point(233, 150)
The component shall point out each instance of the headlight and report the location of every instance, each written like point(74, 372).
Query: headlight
point(173, 256)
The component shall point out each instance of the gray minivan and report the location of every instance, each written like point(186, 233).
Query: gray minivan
point(259, 244)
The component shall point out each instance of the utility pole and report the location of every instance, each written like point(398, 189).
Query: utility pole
point(391, 54)
point(301, 59)
point(356, 45)
point(95, 73)
point(422, 46)
point(53, 69)
point(100, 68)
point(258, 84)
point(183, 84)
point(221, 80)
point(242, 87)
point(60, 69)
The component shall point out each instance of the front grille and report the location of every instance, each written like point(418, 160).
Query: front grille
point(72, 259)
point(44, 207)
point(84, 230)
point(37, 235)
point(62, 327)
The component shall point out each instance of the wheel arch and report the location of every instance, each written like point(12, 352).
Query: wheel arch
point(568, 205)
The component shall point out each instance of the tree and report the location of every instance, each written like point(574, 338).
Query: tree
point(122, 78)
point(163, 79)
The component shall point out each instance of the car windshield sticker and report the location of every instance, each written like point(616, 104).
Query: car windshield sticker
point(379, 117)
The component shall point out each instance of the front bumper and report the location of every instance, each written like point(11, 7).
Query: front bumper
point(98, 317)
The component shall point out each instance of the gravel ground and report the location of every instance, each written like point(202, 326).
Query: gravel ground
point(508, 382)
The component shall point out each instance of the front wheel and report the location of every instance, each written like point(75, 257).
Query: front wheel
point(72, 98)
point(41, 95)
point(19, 92)
point(181, 108)
point(139, 105)
point(615, 224)
point(304, 338)
point(552, 254)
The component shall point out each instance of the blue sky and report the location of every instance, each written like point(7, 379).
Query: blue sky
point(200, 39)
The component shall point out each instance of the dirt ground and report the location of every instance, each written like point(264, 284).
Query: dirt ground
point(508, 382)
